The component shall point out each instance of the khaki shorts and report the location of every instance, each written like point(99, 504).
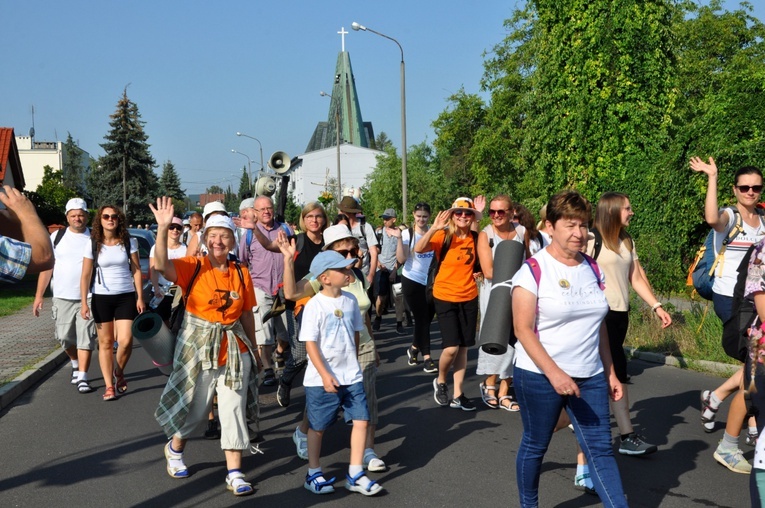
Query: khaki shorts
point(71, 329)
point(368, 364)
point(266, 333)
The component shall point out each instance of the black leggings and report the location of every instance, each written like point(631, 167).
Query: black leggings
point(617, 323)
point(422, 311)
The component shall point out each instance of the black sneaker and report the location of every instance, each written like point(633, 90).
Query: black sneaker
point(462, 403)
point(634, 444)
point(213, 431)
point(376, 324)
point(440, 393)
point(408, 319)
point(283, 394)
point(269, 378)
point(430, 366)
point(400, 328)
point(411, 353)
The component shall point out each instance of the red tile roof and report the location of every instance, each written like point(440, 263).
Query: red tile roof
point(6, 138)
point(9, 153)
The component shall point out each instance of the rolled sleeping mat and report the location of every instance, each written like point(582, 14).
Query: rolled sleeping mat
point(156, 339)
point(496, 334)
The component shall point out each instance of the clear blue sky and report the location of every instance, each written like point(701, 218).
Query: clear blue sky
point(201, 71)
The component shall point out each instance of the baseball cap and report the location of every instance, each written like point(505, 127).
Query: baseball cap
point(389, 213)
point(327, 260)
point(220, 221)
point(334, 233)
point(247, 203)
point(76, 204)
point(213, 206)
point(178, 221)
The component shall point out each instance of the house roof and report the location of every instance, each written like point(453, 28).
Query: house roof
point(9, 157)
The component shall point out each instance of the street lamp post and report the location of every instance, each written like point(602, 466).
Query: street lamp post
point(124, 180)
point(358, 27)
point(260, 145)
point(249, 166)
point(337, 131)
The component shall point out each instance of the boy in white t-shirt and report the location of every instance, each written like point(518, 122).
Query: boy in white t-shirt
point(330, 328)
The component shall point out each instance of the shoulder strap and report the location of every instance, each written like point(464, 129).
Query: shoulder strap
point(476, 262)
point(535, 270)
point(735, 230)
point(59, 235)
point(192, 280)
point(598, 242)
point(248, 237)
point(299, 243)
point(595, 270)
point(411, 238)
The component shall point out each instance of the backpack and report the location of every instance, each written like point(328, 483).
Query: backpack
point(735, 335)
point(59, 235)
point(701, 274)
point(435, 265)
point(283, 226)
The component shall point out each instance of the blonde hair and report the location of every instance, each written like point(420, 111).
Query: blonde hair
point(310, 207)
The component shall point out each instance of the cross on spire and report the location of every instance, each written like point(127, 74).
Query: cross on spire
point(343, 33)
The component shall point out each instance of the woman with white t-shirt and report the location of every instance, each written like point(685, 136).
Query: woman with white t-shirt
point(747, 188)
point(414, 277)
point(563, 360)
point(175, 250)
point(113, 278)
point(496, 367)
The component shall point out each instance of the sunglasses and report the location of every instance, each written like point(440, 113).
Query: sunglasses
point(422, 206)
point(345, 252)
point(175, 228)
point(498, 213)
point(746, 188)
point(113, 216)
point(466, 213)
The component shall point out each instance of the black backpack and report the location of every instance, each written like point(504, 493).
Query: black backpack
point(735, 336)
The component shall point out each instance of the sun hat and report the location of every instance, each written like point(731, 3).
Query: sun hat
point(327, 260)
point(465, 204)
point(389, 213)
point(247, 203)
point(349, 205)
point(186, 222)
point(76, 204)
point(220, 221)
point(213, 206)
point(334, 233)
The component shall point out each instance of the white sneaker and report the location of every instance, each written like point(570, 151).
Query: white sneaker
point(373, 463)
point(301, 444)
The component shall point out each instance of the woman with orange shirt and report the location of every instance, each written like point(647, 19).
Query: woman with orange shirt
point(455, 294)
point(214, 350)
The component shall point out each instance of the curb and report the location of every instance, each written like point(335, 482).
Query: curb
point(24, 381)
point(723, 369)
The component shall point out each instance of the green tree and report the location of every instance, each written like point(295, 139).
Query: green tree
point(170, 183)
point(382, 142)
point(231, 200)
point(72, 168)
point(292, 210)
point(54, 193)
point(244, 183)
point(126, 152)
point(215, 189)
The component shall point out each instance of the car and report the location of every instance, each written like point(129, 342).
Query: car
point(145, 241)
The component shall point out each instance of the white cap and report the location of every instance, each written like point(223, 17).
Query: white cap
point(213, 206)
point(334, 233)
point(76, 204)
point(220, 221)
point(247, 203)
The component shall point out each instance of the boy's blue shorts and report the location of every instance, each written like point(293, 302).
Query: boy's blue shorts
point(322, 406)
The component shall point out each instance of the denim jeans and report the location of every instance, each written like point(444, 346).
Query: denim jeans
point(540, 408)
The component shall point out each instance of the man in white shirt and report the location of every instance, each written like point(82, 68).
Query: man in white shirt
point(75, 334)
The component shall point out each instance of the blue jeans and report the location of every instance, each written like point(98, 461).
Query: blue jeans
point(540, 409)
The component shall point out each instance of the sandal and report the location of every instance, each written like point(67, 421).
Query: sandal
point(119, 381)
point(513, 407)
point(313, 484)
point(706, 404)
point(109, 394)
point(371, 489)
point(176, 468)
point(489, 400)
point(235, 483)
point(83, 386)
point(75, 376)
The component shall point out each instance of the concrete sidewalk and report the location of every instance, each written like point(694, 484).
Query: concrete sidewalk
point(28, 351)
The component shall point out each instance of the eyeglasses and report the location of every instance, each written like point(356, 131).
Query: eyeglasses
point(265, 209)
point(175, 228)
point(466, 213)
point(498, 213)
point(746, 188)
point(113, 216)
point(345, 252)
point(312, 217)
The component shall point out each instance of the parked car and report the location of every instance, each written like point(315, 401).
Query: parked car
point(145, 242)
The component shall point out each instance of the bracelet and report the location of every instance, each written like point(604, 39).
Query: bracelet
point(655, 306)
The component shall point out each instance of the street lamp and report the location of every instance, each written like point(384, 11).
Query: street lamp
point(337, 131)
point(358, 27)
point(262, 168)
point(249, 166)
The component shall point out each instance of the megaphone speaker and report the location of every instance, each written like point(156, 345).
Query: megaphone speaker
point(279, 162)
point(265, 186)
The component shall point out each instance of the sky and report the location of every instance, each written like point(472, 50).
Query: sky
point(201, 71)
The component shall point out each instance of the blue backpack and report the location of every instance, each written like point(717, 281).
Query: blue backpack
point(701, 275)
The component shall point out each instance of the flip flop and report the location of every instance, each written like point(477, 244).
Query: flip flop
point(488, 399)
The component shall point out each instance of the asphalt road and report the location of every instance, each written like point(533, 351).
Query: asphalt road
point(61, 448)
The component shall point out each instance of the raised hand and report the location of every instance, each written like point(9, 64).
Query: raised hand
point(479, 202)
point(442, 220)
point(286, 244)
point(700, 166)
point(164, 211)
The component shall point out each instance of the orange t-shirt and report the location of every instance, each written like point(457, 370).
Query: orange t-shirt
point(454, 282)
point(216, 296)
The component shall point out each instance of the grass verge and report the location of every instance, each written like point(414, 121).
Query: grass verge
point(13, 298)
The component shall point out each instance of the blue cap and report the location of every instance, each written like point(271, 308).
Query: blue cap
point(327, 260)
